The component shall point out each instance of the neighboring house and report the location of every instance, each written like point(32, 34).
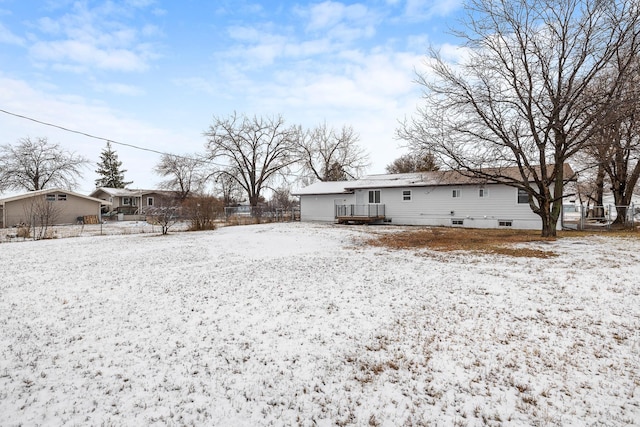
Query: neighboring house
point(130, 202)
point(441, 198)
point(54, 206)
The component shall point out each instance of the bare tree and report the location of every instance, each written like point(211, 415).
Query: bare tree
point(165, 213)
point(615, 148)
point(36, 164)
point(41, 213)
point(186, 174)
point(281, 199)
point(331, 155)
point(228, 188)
point(520, 98)
point(256, 149)
point(413, 162)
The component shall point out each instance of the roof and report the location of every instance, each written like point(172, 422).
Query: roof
point(415, 179)
point(126, 192)
point(324, 187)
point(48, 191)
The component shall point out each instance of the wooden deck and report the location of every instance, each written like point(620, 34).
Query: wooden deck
point(359, 214)
point(354, 219)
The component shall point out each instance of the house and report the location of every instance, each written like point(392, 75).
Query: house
point(128, 203)
point(54, 206)
point(440, 198)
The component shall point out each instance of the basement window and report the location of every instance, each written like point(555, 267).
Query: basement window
point(505, 223)
point(457, 222)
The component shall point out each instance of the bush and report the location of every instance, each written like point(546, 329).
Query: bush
point(202, 212)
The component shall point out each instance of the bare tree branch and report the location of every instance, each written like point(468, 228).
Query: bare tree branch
point(36, 164)
point(256, 149)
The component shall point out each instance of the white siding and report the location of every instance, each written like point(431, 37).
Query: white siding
point(437, 206)
point(322, 207)
point(433, 206)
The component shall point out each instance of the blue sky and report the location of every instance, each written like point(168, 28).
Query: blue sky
point(153, 73)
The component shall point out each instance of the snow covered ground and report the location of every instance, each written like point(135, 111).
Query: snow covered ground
point(302, 324)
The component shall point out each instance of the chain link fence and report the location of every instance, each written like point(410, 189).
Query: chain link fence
point(600, 217)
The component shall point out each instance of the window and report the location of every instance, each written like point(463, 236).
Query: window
point(149, 201)
point(483, 192)
point(523, 196)
point(62, 197)
point(505, 223)
point(374, 196)
point(50, 197)
point(456, 193)
point(128, 201)
point(457, 222)
point(406, 195)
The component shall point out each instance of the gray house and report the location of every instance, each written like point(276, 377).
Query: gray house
point(441, 198)
point(55, 206)
point(131, 203)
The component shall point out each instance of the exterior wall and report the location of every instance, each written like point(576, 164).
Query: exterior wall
point(137, 199)
point(434, 206)
point(437, 206)
point(322, 207)
point(158, 199)
point(64, 211)
point(108, 198)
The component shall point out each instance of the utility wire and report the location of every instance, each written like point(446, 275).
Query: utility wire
point(88, 135)
point(83, 133)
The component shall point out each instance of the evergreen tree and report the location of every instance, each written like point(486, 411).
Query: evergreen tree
point(109, 170)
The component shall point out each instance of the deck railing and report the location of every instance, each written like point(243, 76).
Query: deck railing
point(361, 211)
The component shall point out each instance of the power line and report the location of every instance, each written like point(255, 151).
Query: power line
point(137, 147)
point(86, 134)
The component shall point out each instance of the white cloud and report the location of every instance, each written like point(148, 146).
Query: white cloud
point(420, 9)
point(7, 37)
point(118, 88)
point(94, 38)
point(97, 119)
point(88, 55)
point(328, 14)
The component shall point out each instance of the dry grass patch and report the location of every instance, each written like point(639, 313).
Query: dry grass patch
point(501, 242)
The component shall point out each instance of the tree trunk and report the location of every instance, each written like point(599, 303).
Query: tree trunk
point(598, 209)
point(548, 221)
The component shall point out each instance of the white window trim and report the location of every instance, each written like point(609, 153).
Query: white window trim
point(374, 197)
point(457, 222)
point(409, 195)
point(483, 193)
point(456, 193)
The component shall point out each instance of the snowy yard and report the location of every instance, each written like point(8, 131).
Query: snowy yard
point(302, 324)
